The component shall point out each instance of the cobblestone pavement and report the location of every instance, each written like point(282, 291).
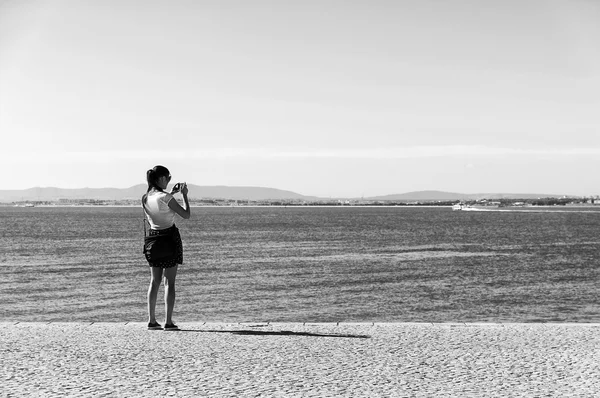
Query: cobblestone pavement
point(297, 360)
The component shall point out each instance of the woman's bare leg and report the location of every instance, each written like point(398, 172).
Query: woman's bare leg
point(169, 279)
point(155, 277)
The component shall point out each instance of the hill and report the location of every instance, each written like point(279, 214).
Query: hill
point(136, 192)
point(236, 193)
point(440, 195)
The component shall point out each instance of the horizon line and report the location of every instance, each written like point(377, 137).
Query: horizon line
point(321, 196)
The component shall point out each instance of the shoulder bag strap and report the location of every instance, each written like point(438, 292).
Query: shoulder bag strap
point(144, 220)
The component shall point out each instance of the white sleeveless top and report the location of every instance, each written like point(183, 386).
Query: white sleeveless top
point(158, 213)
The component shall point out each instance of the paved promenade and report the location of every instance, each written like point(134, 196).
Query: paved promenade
point(300, 360)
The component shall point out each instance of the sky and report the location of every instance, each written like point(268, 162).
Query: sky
point(324, 98)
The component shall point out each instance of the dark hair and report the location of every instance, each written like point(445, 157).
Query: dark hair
point(152, 177)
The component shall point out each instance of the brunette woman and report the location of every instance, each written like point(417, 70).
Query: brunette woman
point(160, 208)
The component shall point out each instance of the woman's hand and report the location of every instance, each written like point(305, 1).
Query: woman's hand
point(176, 207)
point(176, 188)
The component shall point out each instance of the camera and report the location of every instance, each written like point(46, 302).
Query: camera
point(177, 187)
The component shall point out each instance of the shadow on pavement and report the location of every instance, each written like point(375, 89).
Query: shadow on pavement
point(278, 333)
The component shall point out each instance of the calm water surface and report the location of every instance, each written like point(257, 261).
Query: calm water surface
point(307, 265)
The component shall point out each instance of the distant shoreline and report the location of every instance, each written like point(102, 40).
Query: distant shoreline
point(225, 206)
point(569, 208)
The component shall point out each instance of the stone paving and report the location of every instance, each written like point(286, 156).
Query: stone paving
point(300, 360)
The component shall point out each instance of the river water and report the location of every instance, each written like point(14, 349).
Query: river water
point(307, 264)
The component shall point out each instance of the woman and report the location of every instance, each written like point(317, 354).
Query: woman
point(160, 208)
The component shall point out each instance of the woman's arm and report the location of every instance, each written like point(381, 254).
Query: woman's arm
point(176, 207)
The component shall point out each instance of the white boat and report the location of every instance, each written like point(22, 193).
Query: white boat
point(464, 207)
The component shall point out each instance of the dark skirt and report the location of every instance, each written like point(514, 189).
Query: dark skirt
point(178, 258)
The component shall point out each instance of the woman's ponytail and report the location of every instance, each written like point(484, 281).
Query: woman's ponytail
point(150, 179)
